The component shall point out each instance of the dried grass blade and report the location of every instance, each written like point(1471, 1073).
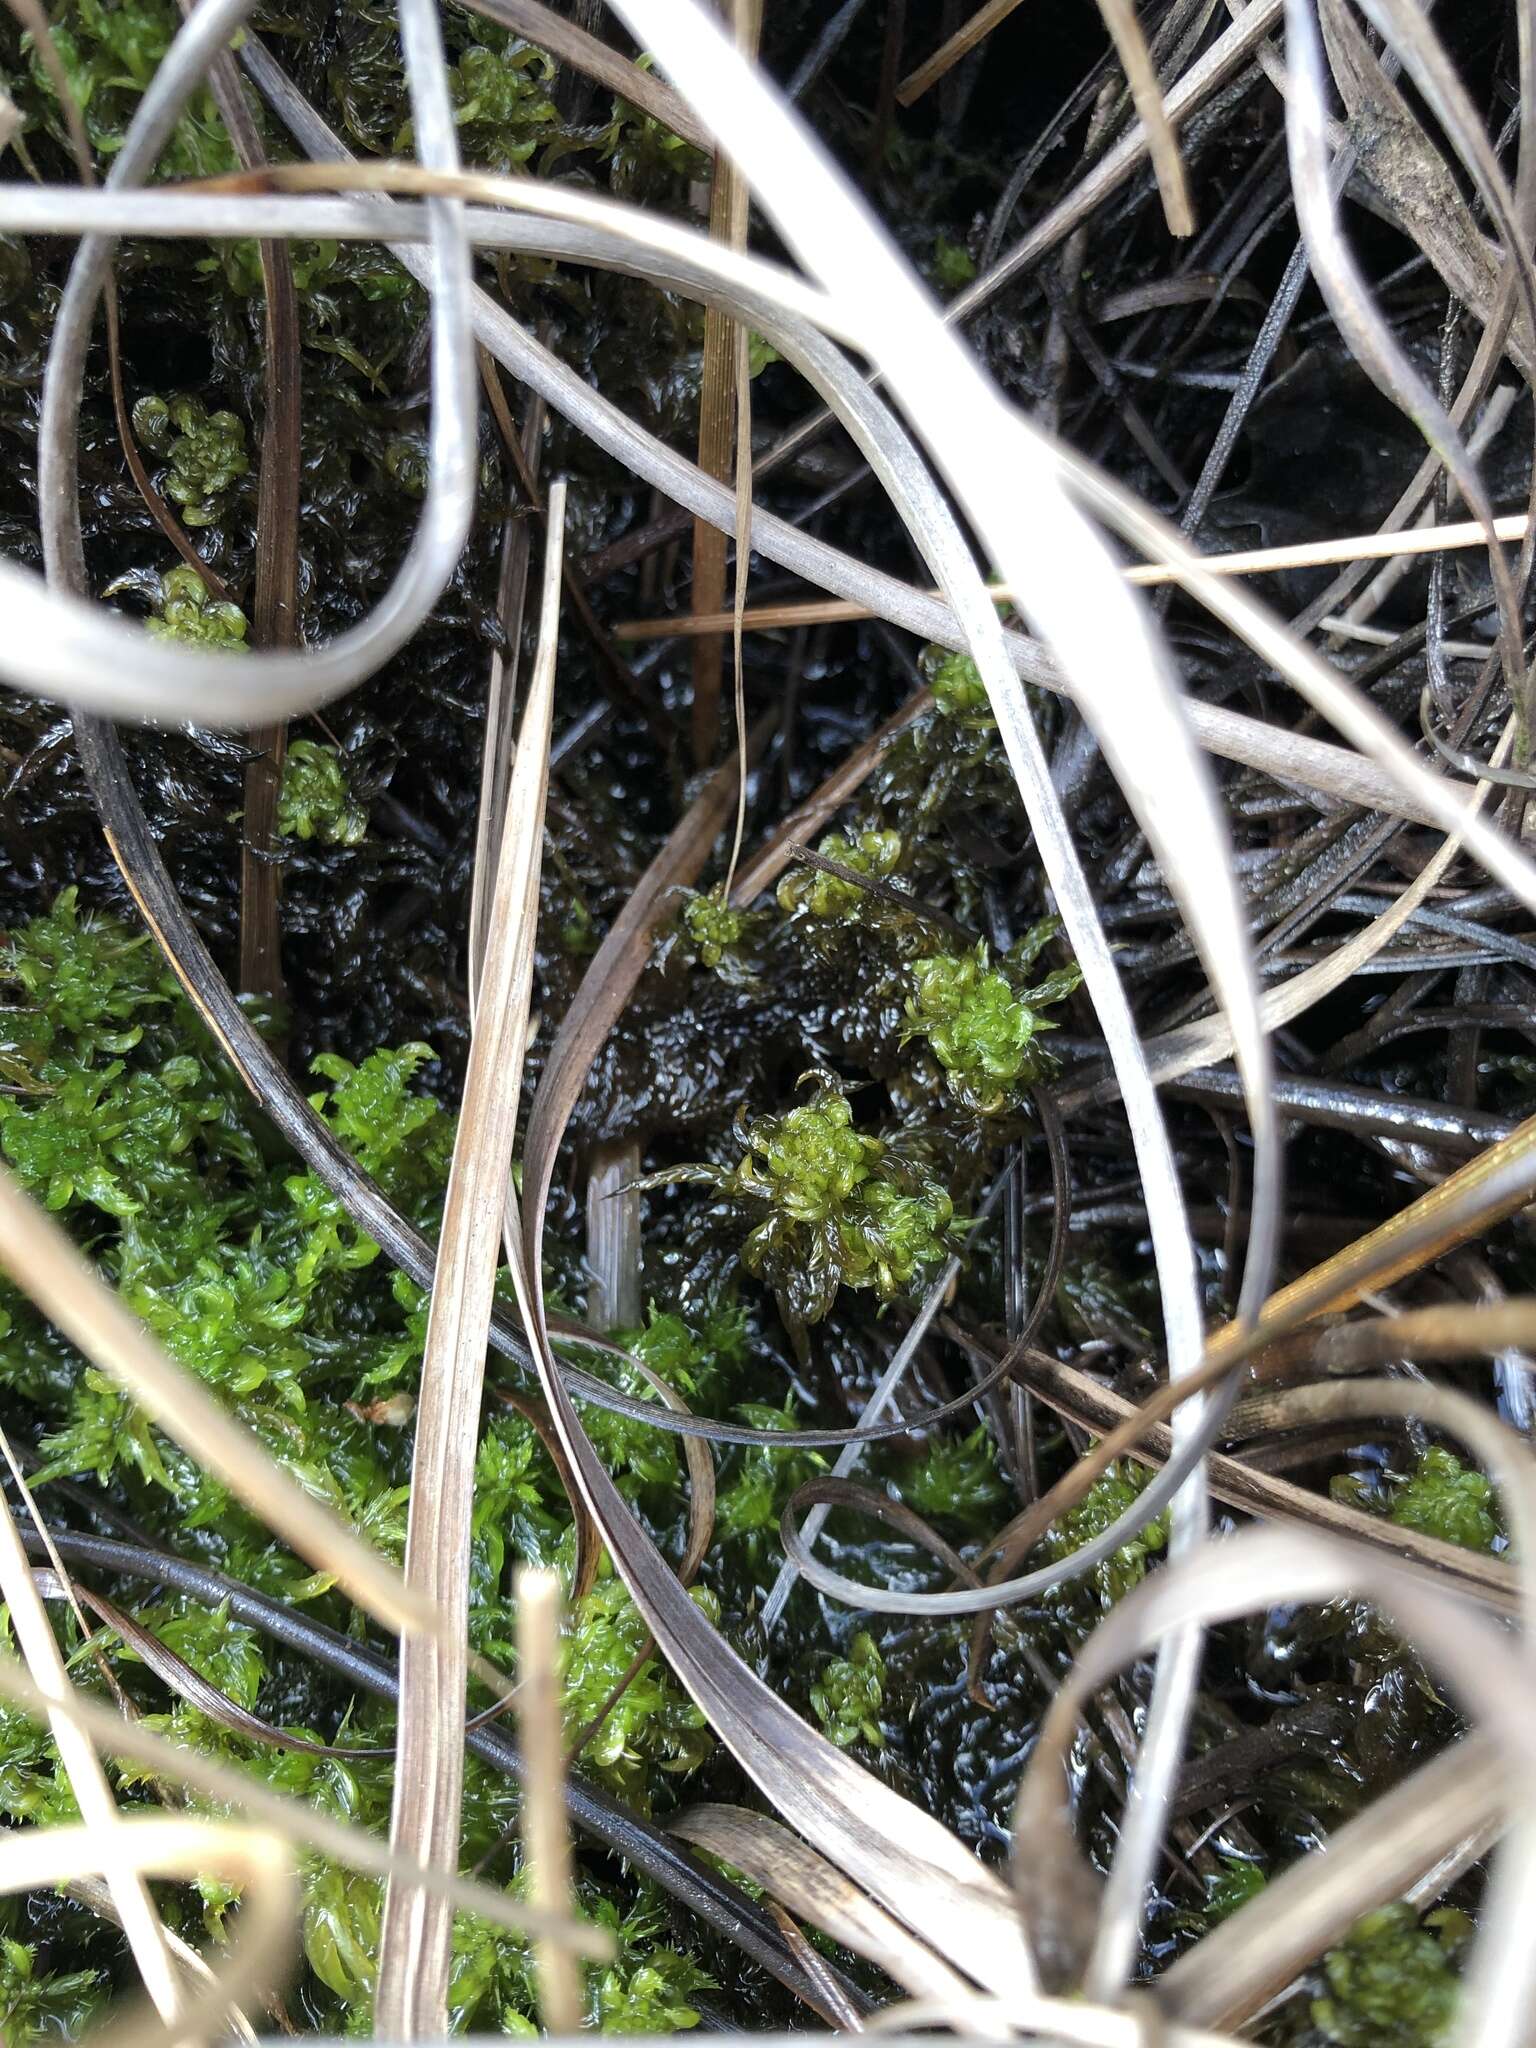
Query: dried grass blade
point(414, 1939)
point(1162, 144)
point(814, 1890)
point(260, 1863)
point(546, 1839)
point(87, 1779)
point(952, 49)
point(43, 1262)
point(1367, 1862)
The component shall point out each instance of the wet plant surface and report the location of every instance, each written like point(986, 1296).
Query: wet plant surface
point(823, 1092)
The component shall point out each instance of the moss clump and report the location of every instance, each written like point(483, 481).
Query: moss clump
point(1231, 1887)
point(1392, 1982)
point(501, 105)
point(122, 1114)
point(1446, 1499)
point(830, 897)
point(654, 1726)
point(982, 1024)
point(829, 1206)
point(205, 453)
point(1112, 1494)
point(316, 799)
point(849, 1694)
point(957, 687)
point(953, 1479)
point(723, 938)
point(189, 611)
point(43, 2005)
point(110, 50)
point(1441, 1497)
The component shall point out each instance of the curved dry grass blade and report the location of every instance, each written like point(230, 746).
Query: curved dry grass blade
point(1193, 1045)
point(1491, 1582)
point(259, 1863)
point(82, 1766)
point(1372, 1859)
point(179, 1677)
point(71, 671)
point(152, 671)
point(1467, 1203)
point(1243, 1575)
point(1057, 562)
point(46, 1266)
point(424, 1826)
point(908, 1862)
point(546, 1843)
point(1062, 570)
point(813, 1890)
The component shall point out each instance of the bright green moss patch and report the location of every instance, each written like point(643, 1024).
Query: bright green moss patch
point(204, 451)
point(1392, 1982)
point(122, 1115)
point(1111, 1495)
point(189, 611)
point(983, 1022)
point(849, 1693)
point(829, 1205)
point(316, 799)
point(876, 854)
point(43, 2005)
point(1441, 1497)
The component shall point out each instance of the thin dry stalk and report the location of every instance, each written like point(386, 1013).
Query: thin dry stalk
point(416, 1929)
point(724, 420)
point(952, 49)
point(546, 1837)
point(1359, 547)
point(87, 1779)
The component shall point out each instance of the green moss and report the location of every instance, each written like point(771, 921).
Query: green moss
point(655, 1726)
point(831, 898)
point(500, 105)
point(849, 1694)
point(110, 50)
point(205, 452)
point(723, 938)
point(952, 265)
point(316, 800)
point(1392, 1982)
point(830, 1206)
point(43, 2005)
point(1441, 1498)
point(953, 1479)
point(1112, 1494)
point(755, 1487)
point(189, 611)
point(1230, 1888)
point(982, 1025)
point(1446, 1499)
point(122, 1113)
point(956, 683)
